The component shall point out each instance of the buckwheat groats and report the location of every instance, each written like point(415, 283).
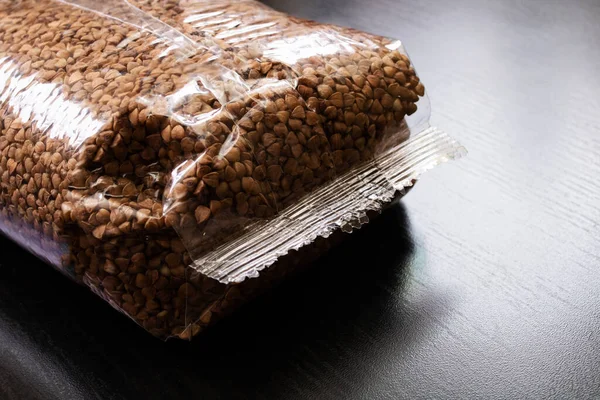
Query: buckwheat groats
point(166, 153)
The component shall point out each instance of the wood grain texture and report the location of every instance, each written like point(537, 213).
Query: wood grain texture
point(483, 283)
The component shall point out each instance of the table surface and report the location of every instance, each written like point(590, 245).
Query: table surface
point(483, 283)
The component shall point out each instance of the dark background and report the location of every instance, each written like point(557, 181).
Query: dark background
point(483, 283)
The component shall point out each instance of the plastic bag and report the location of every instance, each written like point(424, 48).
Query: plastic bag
point(168, 153)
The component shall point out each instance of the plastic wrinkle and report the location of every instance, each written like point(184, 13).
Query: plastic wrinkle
point(341, 204)
point(125, 12)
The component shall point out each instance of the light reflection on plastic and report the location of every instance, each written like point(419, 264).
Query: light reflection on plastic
point(252, 36)
point(45, 105)
point(245, 30)
point(302, 47)
point(202, 16)
point(396, 45)
point(226, 23)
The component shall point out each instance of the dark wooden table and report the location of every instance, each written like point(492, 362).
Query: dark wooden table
point(483, 283)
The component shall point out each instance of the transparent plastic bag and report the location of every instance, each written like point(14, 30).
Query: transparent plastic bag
point(168, 153)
